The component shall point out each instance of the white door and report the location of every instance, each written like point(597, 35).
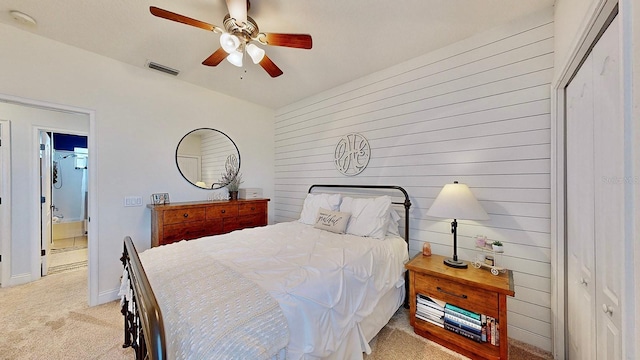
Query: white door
point(609, 192)
point(580, 214)
point(45, 203)
point(595, 203)
point(5, 224)
point(189, 167)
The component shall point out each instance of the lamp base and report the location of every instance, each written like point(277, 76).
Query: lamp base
point(455, 263)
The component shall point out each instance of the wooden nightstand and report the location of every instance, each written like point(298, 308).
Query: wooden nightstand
point(476, 290)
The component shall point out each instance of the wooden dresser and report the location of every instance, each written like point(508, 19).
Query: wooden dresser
point(191, 220)
point(476, 290)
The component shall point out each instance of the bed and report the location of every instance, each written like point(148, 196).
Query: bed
point(317, 288)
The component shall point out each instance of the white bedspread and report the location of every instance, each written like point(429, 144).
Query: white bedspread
point(324, 283)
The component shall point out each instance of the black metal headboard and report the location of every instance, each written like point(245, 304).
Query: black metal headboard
point(406, 203)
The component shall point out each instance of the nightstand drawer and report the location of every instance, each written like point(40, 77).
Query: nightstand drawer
point(184, 215)
point(467, 297)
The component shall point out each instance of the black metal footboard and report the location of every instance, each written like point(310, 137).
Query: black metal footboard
point(143, 326)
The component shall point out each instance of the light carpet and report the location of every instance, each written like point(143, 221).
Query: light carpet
point(50, 319)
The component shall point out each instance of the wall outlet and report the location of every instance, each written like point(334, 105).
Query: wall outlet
point(132, 201)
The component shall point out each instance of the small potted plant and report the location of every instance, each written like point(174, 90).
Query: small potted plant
point(497, 247)
point(234, 186)
point(232, 178)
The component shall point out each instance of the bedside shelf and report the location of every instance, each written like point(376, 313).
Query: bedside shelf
point(472, 289)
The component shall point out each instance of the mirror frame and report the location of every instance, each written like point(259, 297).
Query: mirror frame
point(214, 186)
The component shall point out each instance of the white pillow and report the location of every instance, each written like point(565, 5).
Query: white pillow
point(313, 203)
point(369, 216)
point(393, 222)
point(333, 221)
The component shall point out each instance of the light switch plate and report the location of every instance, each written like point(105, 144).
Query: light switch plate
point(132, 201)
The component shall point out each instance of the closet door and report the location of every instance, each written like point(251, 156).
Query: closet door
point(609, 192)
point(580, 215)
point(595, 203)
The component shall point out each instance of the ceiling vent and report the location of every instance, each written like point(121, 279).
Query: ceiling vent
point(162, 68)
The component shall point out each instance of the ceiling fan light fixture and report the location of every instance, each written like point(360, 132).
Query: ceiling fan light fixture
point(256, 53)
point(235, 58)
point(229, 42)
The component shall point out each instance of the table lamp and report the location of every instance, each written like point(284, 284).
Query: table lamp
point(456, 201)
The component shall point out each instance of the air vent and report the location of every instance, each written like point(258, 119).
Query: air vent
point(164, 69)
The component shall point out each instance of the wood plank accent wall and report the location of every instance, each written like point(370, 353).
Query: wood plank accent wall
point(478, 112)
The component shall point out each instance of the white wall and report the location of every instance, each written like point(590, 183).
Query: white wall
point(477, 112)
point(140, 116)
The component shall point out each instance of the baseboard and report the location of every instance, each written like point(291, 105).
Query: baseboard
point(20, 279)
point(108, 296)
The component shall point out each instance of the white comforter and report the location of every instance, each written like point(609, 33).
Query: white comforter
point(324, 283)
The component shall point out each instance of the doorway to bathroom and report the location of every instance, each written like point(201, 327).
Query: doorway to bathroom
point(68, 238)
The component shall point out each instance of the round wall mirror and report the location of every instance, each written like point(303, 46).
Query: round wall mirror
point(206, 157)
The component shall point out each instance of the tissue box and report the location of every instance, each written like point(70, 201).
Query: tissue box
point(250, 193)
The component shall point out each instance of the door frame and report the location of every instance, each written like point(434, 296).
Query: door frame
point(5, 193)
point(92, 189)
point(594, 24)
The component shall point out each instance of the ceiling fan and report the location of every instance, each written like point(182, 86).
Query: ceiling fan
point(238, 35)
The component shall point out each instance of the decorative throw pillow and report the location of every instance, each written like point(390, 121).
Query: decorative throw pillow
point(313, 203)
point(369, 216)
point(334, 221)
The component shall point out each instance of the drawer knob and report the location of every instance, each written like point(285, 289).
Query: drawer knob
point(253, 208)
point(223, 211)
point(463, 296)
point(607, 309)
point(186, 215)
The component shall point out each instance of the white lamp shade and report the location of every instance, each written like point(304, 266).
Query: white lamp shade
point(229, 42)
point(255, 52)
point(456, 201)
point(235, 58)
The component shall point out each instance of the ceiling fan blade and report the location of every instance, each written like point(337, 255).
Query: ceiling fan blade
point(215, 58)
point(238, 10)
point(270, 67)
point(301, 41)
point(166, 14)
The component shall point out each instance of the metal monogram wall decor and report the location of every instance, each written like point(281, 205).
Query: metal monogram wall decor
point(352, 154)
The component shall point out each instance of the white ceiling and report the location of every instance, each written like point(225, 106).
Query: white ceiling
point(351, 38)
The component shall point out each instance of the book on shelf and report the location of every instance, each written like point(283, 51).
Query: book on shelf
point(461, 323)
point(465, 333)
point(463, 316)
point(436, 322)
point(431, 302)
point(427, 309)
point(462, 311)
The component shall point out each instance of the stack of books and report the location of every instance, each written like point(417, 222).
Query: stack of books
point(430, 310)
point(478, 327)
point(464, 322)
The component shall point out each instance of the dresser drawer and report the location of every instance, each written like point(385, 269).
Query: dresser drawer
point(184, 215)
point(185, 231)
point(251, 220)
point(222, 211)
point(252, 208)
point(480, 300)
